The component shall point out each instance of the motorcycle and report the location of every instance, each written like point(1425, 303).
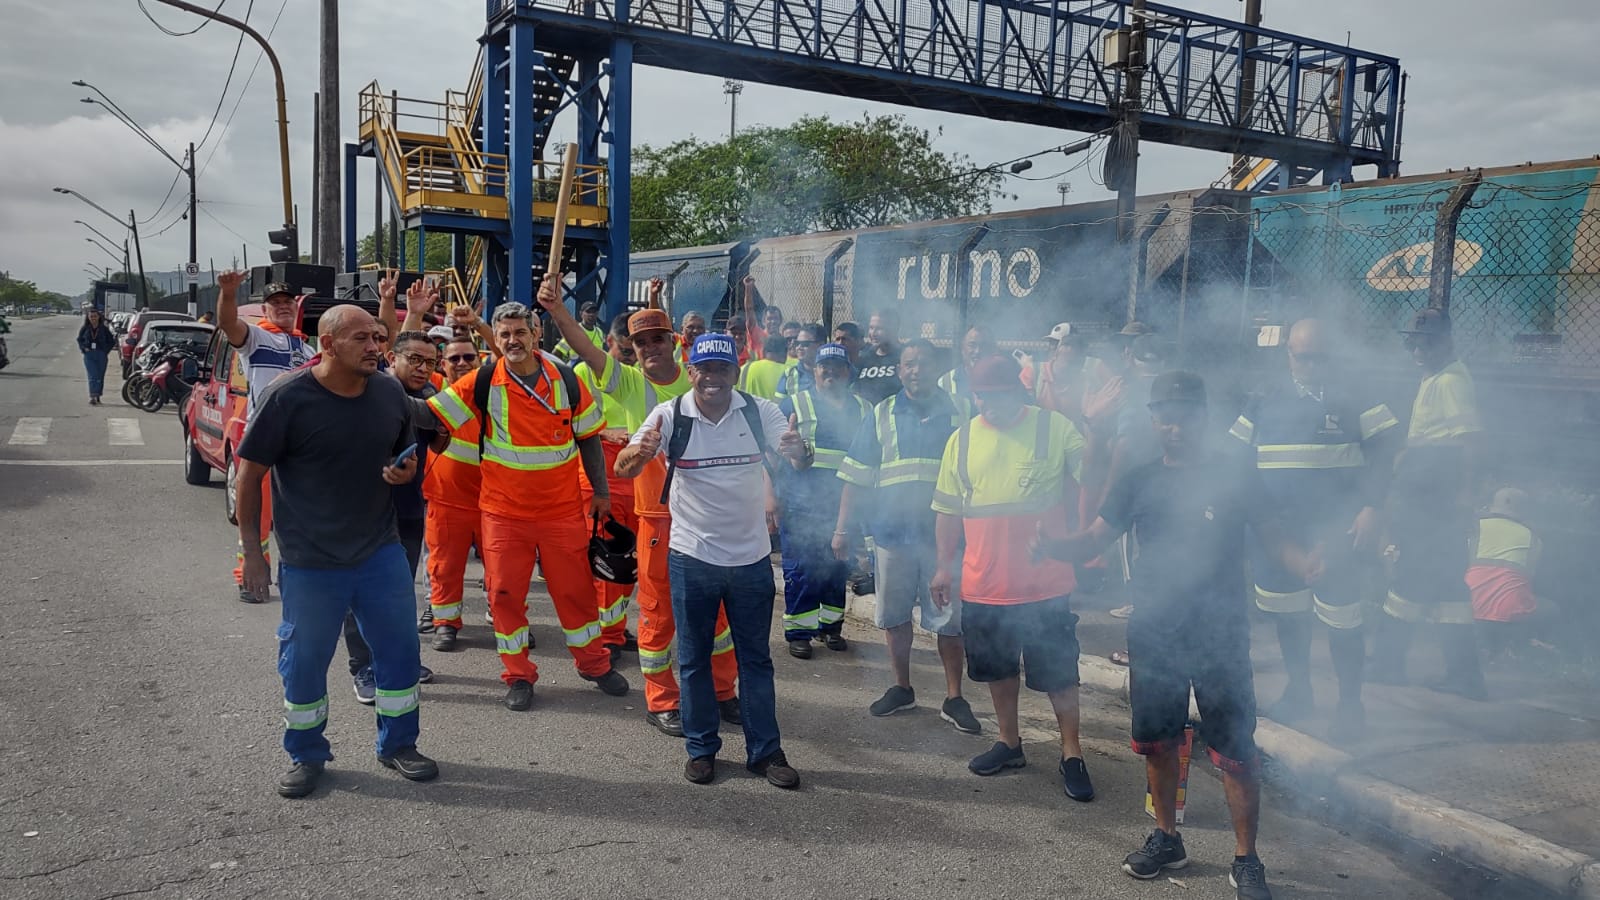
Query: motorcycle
point(137, 380)
point(171, 380)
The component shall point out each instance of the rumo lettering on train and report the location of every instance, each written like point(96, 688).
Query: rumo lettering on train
point(1021, 271)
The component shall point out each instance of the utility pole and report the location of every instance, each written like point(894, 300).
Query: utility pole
point(1064, 188)
point(329, 195)
point(1127, 147)
point(138, 252)
point(194, 288)
point(733, 89)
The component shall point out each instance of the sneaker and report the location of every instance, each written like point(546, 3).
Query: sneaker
point(1122, 612)
point(366, 686)
point(895, 699)
point(730, 712)
point(669, 722)
point(777, 771)
point(800, 649)
point(1075, 780)
point(701, 769)
point(996, 758)
point(425, 624)
point(424, 675)
point(1249, 879)
point(247, 597)
point(300, 780)
point(958, 712)
point(835, 642)
point(411, 765)
point(519, 696)
point(611, 682)
point(444, 638)
point(1160, 852)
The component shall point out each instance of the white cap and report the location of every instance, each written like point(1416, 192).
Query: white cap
point(441, 332)
point(1060, 332)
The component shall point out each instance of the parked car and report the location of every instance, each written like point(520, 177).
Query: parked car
point(213, 415)
point(136, 330)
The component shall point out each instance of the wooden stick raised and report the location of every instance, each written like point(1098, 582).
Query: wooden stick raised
point(558, 234)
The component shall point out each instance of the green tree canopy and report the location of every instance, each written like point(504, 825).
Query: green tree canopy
point(26, 293)
point(438, 256)
point(813, 175)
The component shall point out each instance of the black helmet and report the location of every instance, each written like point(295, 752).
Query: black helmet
point(611, 557)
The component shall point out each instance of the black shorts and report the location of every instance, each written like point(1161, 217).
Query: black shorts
point(1162, 667)
point(1041, 637)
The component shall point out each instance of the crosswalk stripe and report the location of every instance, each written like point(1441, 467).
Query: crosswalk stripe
point(31, 431)
point(125, 433)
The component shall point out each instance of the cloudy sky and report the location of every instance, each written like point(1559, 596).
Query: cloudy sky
point(1484, 91)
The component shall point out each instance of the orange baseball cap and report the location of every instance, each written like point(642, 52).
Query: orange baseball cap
point(648, 320)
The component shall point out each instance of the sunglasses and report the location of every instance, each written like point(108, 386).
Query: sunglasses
point(462, 358)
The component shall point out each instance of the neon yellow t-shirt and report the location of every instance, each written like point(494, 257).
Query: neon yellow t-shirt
point(760, 377)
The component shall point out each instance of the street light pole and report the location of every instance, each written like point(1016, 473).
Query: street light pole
point(133, 225)
point(194, 261)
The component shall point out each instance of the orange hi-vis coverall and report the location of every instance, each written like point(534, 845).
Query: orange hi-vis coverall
point(612, 599)
point(450, 484)
point(532, 509)
point(636, 396)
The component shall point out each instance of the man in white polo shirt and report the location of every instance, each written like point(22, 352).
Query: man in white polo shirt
point(269, 349)
point(717, 442)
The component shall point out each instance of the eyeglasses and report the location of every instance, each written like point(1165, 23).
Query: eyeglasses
point(462, 358)
point(420, 362)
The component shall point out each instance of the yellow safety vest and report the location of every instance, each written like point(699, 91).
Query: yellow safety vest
point(805, 410)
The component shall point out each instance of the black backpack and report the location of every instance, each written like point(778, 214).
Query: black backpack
point(683, 425)
point(480, 395)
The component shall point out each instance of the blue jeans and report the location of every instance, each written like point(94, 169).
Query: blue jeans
point(95, 364)
point(747, 592)
point(315, 602)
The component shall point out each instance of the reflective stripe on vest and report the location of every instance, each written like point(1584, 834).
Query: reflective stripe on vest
point(1377, 419)
point(805, 410)
point(1041, 450)
point(1309, 456)
point(462, 451)
point(449, 406)
point(895, 468)
point(497, 445)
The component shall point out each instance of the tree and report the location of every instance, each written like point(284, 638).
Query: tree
point(813, 175)
point(24, 294)
point(438, 257)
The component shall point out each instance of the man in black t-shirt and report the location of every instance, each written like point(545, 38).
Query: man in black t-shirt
point(329, 435)
point(878, 374)
point(1189, 510)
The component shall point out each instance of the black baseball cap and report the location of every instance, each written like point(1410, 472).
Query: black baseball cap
point(1175, 388)
point(1429, 321)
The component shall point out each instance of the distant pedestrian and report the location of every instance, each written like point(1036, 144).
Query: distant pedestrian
point(96, 342)
point(330, 436)
point(717, 442)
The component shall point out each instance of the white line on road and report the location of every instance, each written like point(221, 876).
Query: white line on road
point(31, 431)
point(125, 433)
point(79, 463)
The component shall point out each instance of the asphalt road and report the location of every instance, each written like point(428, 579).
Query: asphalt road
point(139, 733)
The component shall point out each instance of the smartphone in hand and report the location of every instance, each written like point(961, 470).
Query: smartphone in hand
point(405, 454)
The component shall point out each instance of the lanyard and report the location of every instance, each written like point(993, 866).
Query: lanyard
point(530, 387)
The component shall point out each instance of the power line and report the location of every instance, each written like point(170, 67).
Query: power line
point(227, 81)
point(243, 90)
point(160, 208)
point(227, 229)
point(203, 23)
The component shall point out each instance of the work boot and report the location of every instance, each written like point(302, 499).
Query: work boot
point(777, 771)
point(800, 649)
point(519, 696)
point(611, 682)
point(669, 722)
point(246, 597)
point(444, 638)
point(300, 780)
point(835, 641)
point(1296, 703)
point(730, 712)
point(411, 765)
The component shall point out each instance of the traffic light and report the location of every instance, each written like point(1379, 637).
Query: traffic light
point(286, 244)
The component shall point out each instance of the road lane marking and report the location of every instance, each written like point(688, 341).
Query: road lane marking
point(125, 433)
point(31, 431)
point(80, 463)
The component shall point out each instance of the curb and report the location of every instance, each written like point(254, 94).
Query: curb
point(1300, 760)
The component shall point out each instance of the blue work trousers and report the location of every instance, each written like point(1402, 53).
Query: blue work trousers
point(95, 364)
point(813, 580)
point(699, 590)
point(315, 601)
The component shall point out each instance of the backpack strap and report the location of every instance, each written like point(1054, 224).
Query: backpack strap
point(480, 401)
point(682, 426)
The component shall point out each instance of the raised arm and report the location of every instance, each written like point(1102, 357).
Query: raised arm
point(571, 329)
point(228, 308)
